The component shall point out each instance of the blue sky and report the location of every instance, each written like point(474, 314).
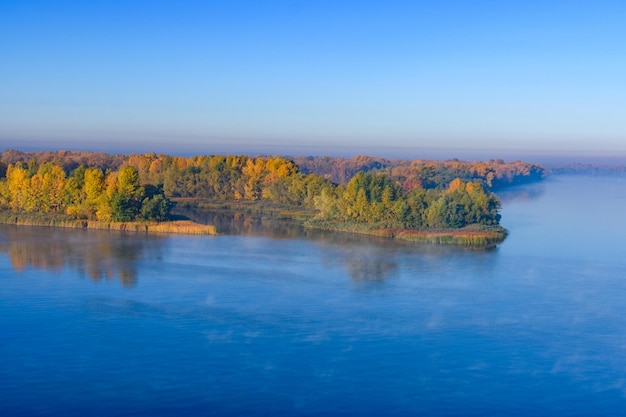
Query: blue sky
point(399, 78)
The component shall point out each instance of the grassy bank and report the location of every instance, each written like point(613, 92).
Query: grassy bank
point(480, 238)
point(176, 226)
point(471, 236)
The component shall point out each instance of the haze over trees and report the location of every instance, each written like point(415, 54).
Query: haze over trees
point(493, 174)
point(378, 193)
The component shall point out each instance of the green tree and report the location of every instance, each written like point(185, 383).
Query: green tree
point(126, 196)
point(326, 203)
point(74, 198)
point(155, 206)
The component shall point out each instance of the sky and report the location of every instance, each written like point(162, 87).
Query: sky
point(389, 78)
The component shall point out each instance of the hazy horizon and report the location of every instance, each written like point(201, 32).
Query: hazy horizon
point(453, 79)
point(186, 150)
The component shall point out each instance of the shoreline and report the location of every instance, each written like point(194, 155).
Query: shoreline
point(474, 236)
point(471, 236)
point(186, 227)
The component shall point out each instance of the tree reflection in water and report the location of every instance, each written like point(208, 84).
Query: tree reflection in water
point(245, 224)
point(376, 269)
point(367, 258)
point(99, 255)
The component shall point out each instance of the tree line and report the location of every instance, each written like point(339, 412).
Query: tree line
point(86, 193)
point(140, 188)
point(411, 174)
point(375, 199)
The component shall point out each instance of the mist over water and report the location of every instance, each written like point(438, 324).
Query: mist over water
point(274, 320)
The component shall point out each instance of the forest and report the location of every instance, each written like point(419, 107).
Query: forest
point(494, 174)
point(87, 193)
point(377, 195)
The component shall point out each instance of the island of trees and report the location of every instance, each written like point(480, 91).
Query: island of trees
point(435, 201)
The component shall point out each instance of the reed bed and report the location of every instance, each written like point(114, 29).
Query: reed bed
point(460, 237)
point(472, 236)
point(186, 227)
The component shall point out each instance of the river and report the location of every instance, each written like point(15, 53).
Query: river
point(279, 321)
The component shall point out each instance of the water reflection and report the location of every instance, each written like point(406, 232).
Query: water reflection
point(366, 258)
point(244, 224)
point(371, 259)
point(524, 192)
point(107, 256)
point(361, 254)
point(98, 255)
point(375, 269)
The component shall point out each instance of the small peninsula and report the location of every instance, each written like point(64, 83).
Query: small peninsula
point(447, 202)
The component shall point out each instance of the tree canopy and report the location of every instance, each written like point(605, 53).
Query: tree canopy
point(416, 195)
point(86, 193)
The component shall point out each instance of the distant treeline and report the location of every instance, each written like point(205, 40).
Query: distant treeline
point(588, 169)
point(410, 174)
point(69, 160)
point(378, 193)
point(493, 174)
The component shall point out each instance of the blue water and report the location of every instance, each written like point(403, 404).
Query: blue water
point(111, 324)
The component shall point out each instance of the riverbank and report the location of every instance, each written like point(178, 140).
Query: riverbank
point(181, 226)
point(477, 236)
point(472, 236)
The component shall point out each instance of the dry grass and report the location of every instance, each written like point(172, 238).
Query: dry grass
point(475, 236)
point(182, 226)
point(460, 237)
point(186, 227)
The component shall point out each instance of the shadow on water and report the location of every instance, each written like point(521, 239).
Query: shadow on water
point(99, 255)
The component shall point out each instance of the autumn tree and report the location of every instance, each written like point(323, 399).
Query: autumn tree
point(125, 194)
point(18, 187)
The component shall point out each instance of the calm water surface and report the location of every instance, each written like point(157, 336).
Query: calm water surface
point(107, 324)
